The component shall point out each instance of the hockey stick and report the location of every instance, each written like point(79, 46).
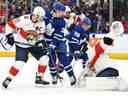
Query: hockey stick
point(31, 45)
point(87, 72)
point(58, 75)
point(16, 42)
point(4, 43)
point(49, 54)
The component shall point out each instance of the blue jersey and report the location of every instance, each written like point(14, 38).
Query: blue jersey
point(58, 24)
point(77, 36)
point(48, 16)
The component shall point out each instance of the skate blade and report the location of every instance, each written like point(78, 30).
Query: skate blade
point(47, 86)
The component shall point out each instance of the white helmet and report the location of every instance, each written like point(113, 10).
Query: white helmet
point(39, 11)
point(117, 28)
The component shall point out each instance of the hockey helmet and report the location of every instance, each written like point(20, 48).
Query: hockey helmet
point(39, 11)
point(59, 7)
point(117, 28)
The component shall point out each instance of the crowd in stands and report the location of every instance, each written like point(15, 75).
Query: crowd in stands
point(98, 13)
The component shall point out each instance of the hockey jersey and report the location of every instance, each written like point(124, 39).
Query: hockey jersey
point(58, 24)
point(101, 59)
point(23, 27)
point(78, 36)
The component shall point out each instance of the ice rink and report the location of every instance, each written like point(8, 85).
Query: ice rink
point(23, 84)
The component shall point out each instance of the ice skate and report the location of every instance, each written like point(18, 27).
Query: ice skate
point(54, 80)
point(6, 82)
point(39, 80)
point(72, 80)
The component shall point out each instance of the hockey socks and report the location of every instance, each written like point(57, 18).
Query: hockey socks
point(72, 78)
point(14, 70)
point(55, 75)
point(71, 75)
point(42, 68)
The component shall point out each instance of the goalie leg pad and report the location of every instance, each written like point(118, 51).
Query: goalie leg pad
point(108, 72)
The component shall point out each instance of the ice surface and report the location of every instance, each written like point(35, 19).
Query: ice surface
point(23, 84)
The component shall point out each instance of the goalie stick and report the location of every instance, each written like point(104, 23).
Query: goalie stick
point(87, 72)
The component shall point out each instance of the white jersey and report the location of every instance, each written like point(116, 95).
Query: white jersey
point(103, 63)
point(26, 32)
point(101, 59)
point(69, 22)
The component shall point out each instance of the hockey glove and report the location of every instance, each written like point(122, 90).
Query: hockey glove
point(84, 47)
point(42, 43)
point(10, 39)
point(71, 28)
point(65, 31)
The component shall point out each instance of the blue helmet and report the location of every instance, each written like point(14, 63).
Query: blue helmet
point(59, 7)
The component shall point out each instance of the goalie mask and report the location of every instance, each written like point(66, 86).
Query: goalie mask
point(117, 28)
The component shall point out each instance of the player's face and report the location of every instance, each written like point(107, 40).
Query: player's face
point(34, 18)
point(58, 14)
point(67, 14)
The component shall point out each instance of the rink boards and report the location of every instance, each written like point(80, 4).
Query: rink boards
point(112, 55)
point(119, 51)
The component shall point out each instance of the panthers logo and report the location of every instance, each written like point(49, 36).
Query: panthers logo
point(32, 37)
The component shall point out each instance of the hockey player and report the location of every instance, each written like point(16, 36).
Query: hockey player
point(68, 18)
point(78, 39)
point(99, 63)
point(28, 37)
point(58, 45)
